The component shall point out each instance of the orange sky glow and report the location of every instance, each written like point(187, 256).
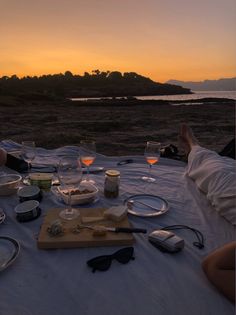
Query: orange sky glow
point(183, 40)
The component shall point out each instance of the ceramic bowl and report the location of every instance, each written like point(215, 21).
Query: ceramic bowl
point(85, 193)
point(9, 184)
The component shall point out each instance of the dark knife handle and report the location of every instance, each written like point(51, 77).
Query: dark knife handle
point(123, 162)
point(130, 230)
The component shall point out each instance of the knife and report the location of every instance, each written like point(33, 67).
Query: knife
point(125, 230)
point(113, 229)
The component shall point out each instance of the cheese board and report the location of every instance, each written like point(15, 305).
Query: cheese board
point(73, 236)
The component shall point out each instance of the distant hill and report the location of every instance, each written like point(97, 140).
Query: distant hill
point(96, 84)
point(228, 84)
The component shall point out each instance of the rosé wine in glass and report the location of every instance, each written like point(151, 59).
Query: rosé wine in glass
point(87, 156)
point(152, 156)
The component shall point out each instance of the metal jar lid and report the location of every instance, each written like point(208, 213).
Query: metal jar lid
point(27, 206)
point(29, 191)
point(112, 173)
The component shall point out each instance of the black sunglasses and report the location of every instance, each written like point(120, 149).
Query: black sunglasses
point(103, 263)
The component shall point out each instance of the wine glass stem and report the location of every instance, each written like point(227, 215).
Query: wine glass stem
point(150, 170)
point(87, 173)
point(69, 209)
point(28, 169)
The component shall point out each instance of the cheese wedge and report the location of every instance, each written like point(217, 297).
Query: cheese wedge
point(116, 213)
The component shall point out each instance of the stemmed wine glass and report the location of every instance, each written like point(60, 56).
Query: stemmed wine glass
point(70, 175)
point(87, 156)
point(152, 155)
point(28, 153)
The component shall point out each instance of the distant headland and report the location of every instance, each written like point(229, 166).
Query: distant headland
point(95, 84)
point(225, 84)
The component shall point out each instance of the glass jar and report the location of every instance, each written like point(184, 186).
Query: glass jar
point(112, 183)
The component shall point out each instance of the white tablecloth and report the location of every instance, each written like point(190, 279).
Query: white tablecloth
point(59, 282)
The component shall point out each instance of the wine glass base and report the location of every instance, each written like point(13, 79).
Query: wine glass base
point(69, 214)
point(148, 179)
point(26, 180)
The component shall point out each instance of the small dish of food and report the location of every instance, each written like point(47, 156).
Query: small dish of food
point(85, 193)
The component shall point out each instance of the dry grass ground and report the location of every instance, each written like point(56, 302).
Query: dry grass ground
point(118, 129)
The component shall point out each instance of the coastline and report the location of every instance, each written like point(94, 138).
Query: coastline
point(177, 97)
point(135, 101)
point(119, 128)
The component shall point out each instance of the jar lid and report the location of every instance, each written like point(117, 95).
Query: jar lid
point(28, 191)
point(26, 206)
point(41, 176)
point(112, 173)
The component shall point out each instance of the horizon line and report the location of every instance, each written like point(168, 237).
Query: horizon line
point(74, 74)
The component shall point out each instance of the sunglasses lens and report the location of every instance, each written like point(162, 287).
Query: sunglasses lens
point(101, 263)
point(124, 255)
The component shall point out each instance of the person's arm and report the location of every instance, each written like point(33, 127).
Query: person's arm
point(219, 268)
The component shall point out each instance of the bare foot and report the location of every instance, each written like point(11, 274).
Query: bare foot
point(186, 138)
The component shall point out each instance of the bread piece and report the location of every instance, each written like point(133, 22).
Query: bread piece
point(116, 213)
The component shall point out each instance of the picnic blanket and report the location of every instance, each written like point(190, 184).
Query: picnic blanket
point(59, 282)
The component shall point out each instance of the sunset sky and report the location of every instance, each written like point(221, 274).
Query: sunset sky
point(170, 39)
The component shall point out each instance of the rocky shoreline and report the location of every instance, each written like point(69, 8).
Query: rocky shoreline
point(119, 128)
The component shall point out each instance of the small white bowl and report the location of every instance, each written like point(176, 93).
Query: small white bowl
point(9, 184)
point(79, 199)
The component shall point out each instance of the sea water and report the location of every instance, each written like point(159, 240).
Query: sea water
point(179, 97)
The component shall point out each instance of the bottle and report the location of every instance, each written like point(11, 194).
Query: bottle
point(111, 185)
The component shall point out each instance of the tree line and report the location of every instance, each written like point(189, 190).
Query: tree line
point(97, 83)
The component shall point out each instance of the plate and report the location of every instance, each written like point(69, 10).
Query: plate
point(145, 205)
point(9, 250)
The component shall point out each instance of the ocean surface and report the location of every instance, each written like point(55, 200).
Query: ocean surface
point(181, 97)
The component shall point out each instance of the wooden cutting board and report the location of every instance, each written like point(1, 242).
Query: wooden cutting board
point(86, 237)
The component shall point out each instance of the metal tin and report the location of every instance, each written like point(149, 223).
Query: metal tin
point(27, 210)
point(29, 193)
point(112, 183)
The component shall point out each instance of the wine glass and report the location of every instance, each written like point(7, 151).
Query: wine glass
point(87, 156)
point(152, 155)
point(28, 153)
point(70, 175)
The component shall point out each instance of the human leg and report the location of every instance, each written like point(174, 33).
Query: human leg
point(187, 139)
